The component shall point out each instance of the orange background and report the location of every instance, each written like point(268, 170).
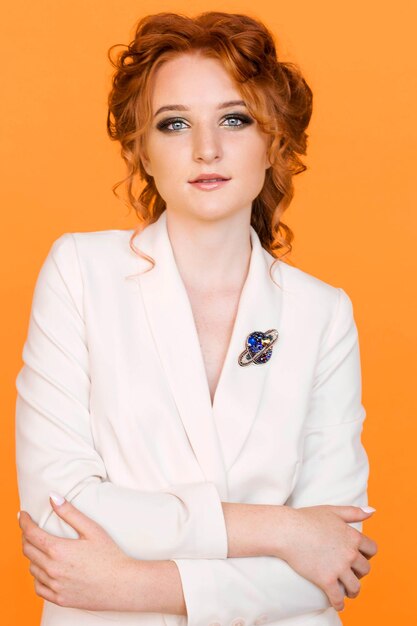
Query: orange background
point(352, 215)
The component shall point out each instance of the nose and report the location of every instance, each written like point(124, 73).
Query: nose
point(206, 143)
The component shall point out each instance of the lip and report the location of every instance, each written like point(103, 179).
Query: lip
point(208, 186)
point(208, 176)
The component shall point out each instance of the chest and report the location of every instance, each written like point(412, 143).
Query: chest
point(214, 317)
point(150, 416)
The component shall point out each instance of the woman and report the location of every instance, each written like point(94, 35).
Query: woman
point(191, 401)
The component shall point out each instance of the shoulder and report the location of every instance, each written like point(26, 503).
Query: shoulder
point(314, 298)
point(90, 242)
point(98, 253)
point(300, 282)
point(77, 258)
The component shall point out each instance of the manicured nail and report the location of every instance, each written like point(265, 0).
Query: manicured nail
point(368, 509)
point(18, 515)
point(56, 498)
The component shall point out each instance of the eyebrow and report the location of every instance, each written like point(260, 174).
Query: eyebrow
point(181, 107)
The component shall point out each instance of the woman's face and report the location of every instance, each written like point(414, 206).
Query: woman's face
point(203, 139)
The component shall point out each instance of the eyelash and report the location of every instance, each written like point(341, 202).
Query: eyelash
point(163, 125)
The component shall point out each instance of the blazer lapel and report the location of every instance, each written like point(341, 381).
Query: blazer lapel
point(216, 433)
point(239, 390)
point(172, 326)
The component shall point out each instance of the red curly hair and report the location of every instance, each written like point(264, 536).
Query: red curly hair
point(275, 93)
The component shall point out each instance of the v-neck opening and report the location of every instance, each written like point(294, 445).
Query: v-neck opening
point(212, 403)
point(215, 428)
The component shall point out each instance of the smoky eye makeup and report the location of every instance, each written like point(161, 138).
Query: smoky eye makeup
point(244, 120)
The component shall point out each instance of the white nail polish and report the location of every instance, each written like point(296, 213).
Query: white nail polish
point(56, 498)
point(18, 515)
point(367, 509)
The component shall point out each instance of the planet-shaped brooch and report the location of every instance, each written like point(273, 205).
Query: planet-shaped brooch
point(259, 347)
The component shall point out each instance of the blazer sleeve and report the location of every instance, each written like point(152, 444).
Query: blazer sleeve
point(54, 442)
point(333, 470)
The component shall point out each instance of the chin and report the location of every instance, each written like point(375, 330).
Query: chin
point(212, 214)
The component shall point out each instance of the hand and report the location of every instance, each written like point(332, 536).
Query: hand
point(320, 545)
point(88, 572)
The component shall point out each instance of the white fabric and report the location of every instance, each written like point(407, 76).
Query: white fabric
point(113, 411)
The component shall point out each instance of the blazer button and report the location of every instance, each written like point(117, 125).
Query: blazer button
point(262, 619)
point(239, 621)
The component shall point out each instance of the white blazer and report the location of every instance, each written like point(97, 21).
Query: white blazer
point(113, 411)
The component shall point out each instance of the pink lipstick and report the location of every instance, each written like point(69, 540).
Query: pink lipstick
point(207, 182)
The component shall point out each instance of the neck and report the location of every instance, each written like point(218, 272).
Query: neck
point(211, 256)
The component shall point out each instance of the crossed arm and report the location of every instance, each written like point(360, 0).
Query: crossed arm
point(184, 524)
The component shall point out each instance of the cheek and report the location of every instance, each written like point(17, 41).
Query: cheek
point(250, 155)
point(168, 181)
point(161, 160)
point(253, 174)
point(169, 160)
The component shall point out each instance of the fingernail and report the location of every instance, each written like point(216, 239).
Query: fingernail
point(18, 515)
point(368, 509)
point(56, 498)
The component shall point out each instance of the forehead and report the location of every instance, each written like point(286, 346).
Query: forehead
point(192, 79)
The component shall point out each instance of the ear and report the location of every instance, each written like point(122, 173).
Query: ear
point(268, 163)
point(143, 155)
point(146, 164)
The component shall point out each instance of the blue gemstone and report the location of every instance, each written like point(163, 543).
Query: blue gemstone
point(255, 342)
point(260, 342)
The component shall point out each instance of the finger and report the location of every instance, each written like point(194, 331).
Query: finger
point(361, 566)
point(83, 524)
point(34, 534)
point(351, 513)
point(350, 583)
point(45, 592)
point(368, 546)
point(40, 574)
point(336, 594)
point(36, 556)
